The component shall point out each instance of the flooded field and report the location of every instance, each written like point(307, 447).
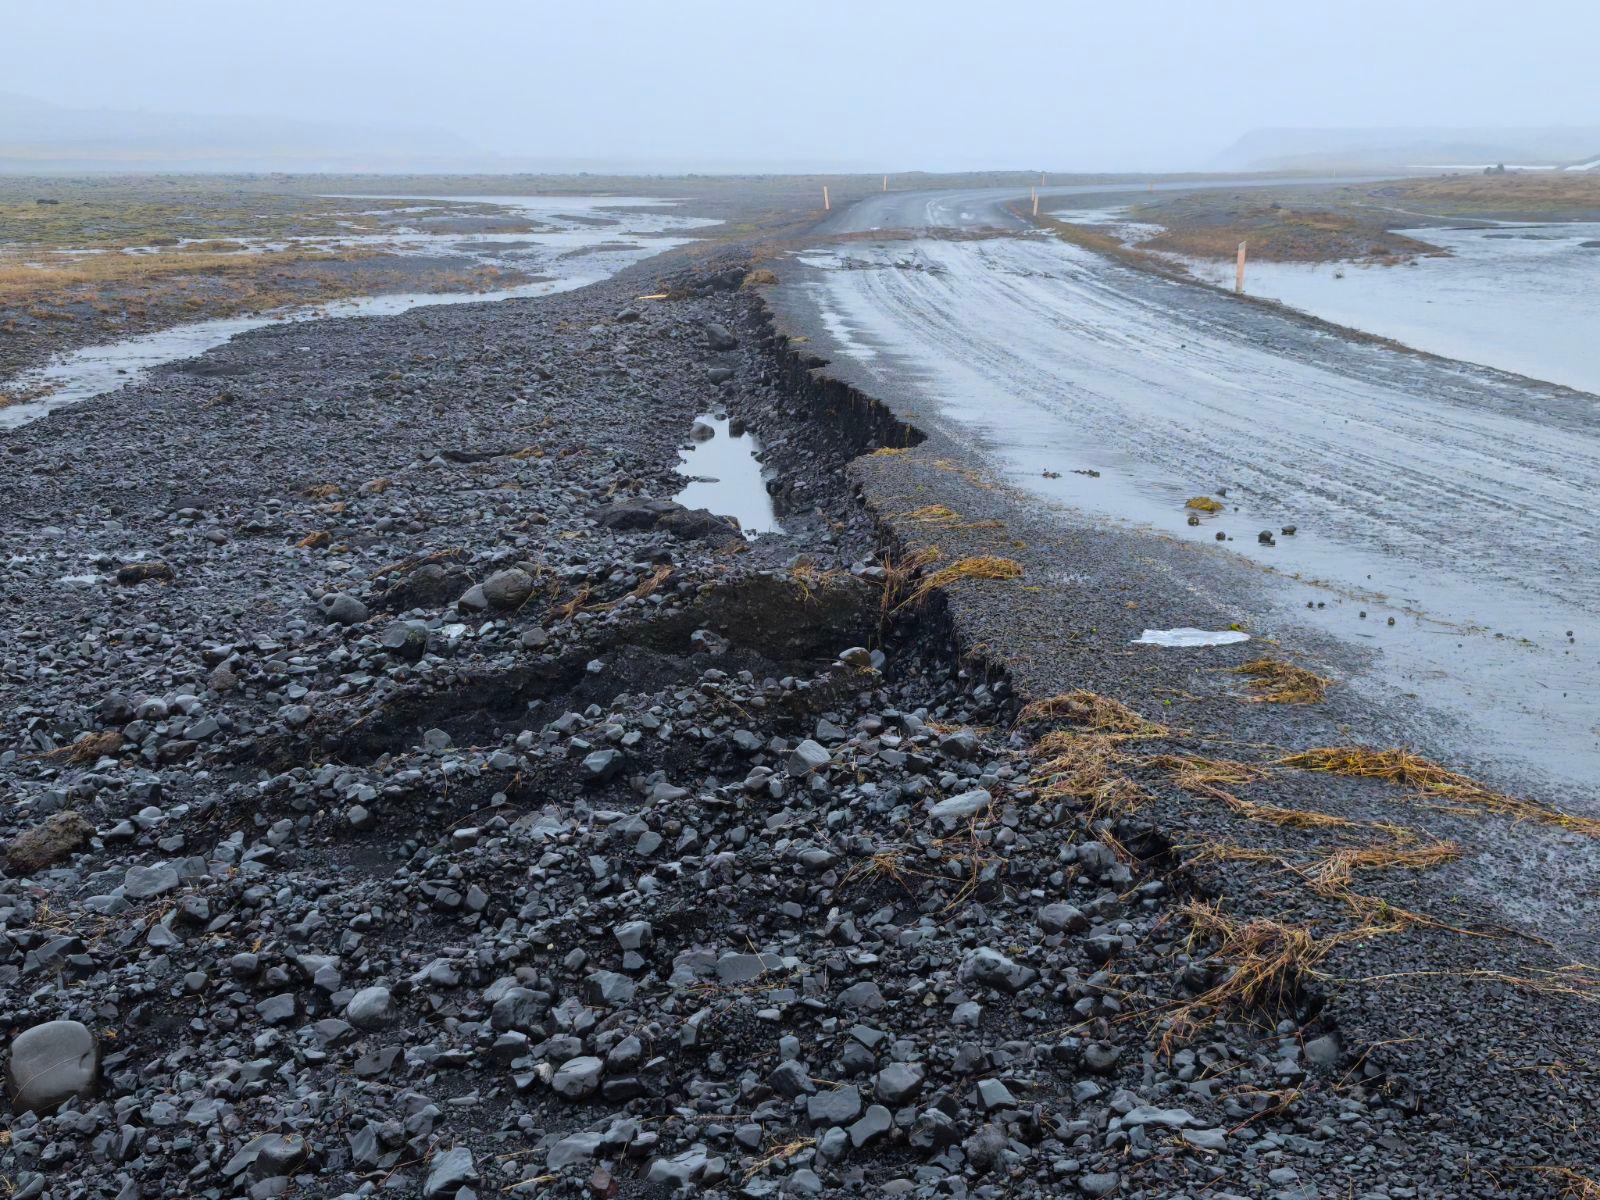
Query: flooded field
point(1521, 298)
point(577, 241)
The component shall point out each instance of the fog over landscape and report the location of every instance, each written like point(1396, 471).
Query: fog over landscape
point(832, 85)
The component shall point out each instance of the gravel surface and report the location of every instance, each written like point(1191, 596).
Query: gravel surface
point(406, 798)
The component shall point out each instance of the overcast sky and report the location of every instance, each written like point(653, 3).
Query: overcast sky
point(873, 84)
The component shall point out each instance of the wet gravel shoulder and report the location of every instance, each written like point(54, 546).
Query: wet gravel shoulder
point(404, 797)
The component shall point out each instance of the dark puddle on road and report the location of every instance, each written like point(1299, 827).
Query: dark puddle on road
point(726, 478)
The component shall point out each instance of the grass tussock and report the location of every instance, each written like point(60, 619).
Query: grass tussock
point(1086, 768)
point(1212, 777)
point(885, 864)
point(945, 517)
point(88, 749)
point(652, 582)
point(1338, 870)
point(889, 451)
point(1092, 711)
point(898, 572)
point(760, 277)
point(568, 609)
point(1204, 504)
point(965, 570)
point(314, 540)
point(1405, 769)
point(813, 579)
point(1277, 682)
point(1264, 963)
point(1192, 772)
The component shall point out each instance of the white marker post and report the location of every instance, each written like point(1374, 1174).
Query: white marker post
point(826, 207)
point(1036, 202)
point(886, 183)
point(1238, 271)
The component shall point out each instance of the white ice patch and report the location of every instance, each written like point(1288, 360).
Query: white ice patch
point(1186, 637)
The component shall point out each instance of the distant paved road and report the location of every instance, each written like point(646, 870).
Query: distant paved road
point(985, 208)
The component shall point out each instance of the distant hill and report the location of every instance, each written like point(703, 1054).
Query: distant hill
point(38, 136)
point(1391, 149)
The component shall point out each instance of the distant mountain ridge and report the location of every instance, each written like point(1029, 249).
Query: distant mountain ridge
point(36, 135)
point(1421, 146)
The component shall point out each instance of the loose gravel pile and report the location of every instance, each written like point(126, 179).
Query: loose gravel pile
point(406, 797)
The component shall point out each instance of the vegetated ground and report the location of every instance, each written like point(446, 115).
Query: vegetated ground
point(408, 799)
point(113, 258)
point(1365, 222)
point(66, 280)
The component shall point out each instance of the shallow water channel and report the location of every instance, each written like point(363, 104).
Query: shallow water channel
point(581, 240)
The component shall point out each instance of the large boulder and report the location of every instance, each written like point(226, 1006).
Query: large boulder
point(628, 515)
point(51, 1064)
point(48, 842)
point(508, 589)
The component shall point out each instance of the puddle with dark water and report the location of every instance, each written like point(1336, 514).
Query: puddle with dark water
point(726, 477)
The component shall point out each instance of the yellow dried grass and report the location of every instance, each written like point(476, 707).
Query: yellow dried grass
point(1085, 767)
point(964, 570)
point(1404, 769)
point(1102, 714)
point(1276, 682)
point(89, 749)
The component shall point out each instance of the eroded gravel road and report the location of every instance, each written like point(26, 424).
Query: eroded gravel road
point(404, 797)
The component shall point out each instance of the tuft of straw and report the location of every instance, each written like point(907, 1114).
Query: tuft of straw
point(1276, 682)
point(979, 567)
point(1102, 714)
point(89, 749)
point(1404, 769)
point(1265, 962)
point(1084, 767)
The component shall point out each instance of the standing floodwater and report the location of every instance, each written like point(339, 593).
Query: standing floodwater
point(1443, 517)
point(1522, 298)
point(579, 240)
